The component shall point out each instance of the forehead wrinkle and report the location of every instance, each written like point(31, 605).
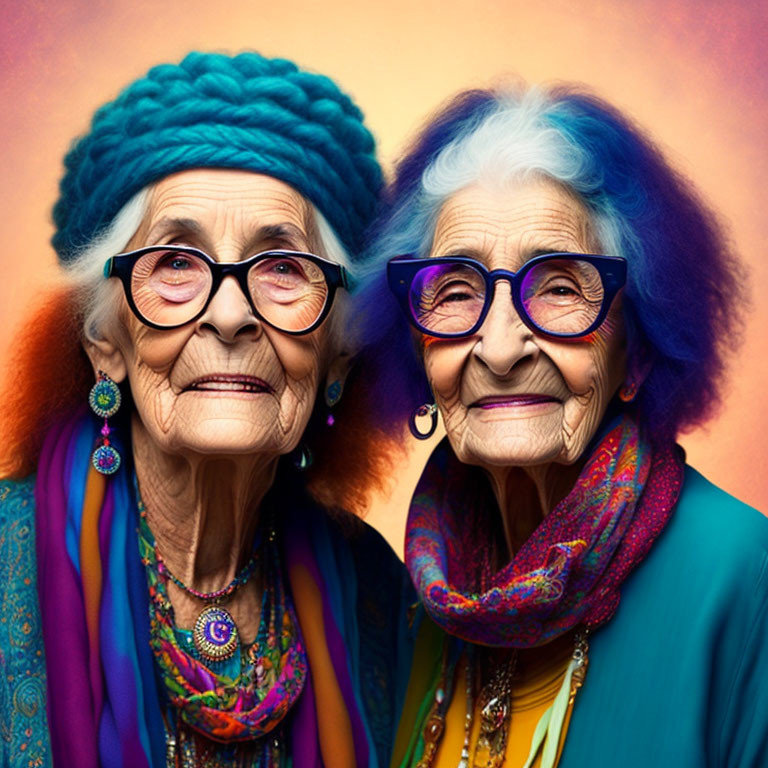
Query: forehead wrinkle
point(229, 216)
point(542, 218)
point(466, 227)
point(288, 217)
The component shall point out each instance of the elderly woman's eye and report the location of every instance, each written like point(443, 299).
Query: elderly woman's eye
point(455, 292)
point(282, 268)
point(563, 290)
point(174, 262)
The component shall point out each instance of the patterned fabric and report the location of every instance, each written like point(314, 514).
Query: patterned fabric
point(677, 676)
point(103, 702)
point(23, 727)
point(99, 699)
point(223, 708)
point(569, 570)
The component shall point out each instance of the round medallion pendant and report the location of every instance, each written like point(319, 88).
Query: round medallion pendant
point(215, 634)
point(105, 459)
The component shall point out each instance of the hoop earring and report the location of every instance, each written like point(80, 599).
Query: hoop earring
point(628, 392)
point(428, 409)
point(105, 399)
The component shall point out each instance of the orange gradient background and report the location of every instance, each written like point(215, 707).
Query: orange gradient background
point(693, 72)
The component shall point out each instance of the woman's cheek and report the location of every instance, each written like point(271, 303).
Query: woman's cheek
point(444, 363)
point(300, 356)
point(575, 362)
point(157, 350)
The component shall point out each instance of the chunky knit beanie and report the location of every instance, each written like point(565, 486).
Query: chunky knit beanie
point(217, 111)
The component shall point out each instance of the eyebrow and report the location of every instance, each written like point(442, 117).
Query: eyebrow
point(172, 224)
point(534, 252)
point(278, 232)
point(169, 224)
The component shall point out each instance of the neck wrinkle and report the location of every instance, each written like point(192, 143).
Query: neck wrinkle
point(202, 510)
point(526, 495)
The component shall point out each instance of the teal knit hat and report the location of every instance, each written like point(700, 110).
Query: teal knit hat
point(217, 111)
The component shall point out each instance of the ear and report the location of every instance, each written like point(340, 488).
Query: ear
point(106, 356)
point(639, 366)
point(335, 378)
point(637, 369)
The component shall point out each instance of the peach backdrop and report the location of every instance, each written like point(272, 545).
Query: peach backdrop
point(694, 72)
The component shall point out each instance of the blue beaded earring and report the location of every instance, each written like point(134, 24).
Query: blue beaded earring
point(332, 397)
point(104, 400)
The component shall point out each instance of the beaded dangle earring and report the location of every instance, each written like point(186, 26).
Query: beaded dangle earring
point(104, 400)
point(332, 397)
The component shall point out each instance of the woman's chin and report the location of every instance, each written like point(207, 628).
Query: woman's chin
point(510, 443)
point(226, 436)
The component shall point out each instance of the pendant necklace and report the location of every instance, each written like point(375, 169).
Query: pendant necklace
point(495, 705)
point(215, 634)
point(495, 708)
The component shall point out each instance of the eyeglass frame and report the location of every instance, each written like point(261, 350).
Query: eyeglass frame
point(402, 270)
point(121, 266)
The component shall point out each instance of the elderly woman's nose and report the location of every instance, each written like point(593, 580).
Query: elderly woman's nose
point(504, 339)
point(229, 314)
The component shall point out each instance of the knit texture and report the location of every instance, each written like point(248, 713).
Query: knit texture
point(217, 111)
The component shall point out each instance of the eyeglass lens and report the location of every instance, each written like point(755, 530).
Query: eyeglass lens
point(170, 288)
point(559, 296)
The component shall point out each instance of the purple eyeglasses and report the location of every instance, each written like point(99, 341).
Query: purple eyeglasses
point(565, 295)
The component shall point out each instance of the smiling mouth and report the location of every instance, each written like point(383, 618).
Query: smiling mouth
point(513, 401)
point(230, 383)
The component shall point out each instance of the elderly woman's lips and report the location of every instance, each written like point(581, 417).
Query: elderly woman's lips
point(511, 401)
point(229, 383)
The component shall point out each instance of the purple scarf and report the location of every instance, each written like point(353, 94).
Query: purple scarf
point(102, 697)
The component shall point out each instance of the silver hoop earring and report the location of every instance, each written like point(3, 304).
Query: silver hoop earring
point(428, 409)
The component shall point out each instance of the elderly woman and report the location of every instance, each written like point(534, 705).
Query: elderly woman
point(570, 300)
point(195, 607)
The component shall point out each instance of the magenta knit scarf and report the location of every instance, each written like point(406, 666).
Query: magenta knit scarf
point(570, 569)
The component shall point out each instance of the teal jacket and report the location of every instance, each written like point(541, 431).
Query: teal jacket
point(679, 676)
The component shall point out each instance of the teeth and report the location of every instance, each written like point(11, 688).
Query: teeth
point(228, 386)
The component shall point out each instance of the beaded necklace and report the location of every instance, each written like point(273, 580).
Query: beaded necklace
point(220, 594)
point(215, 635)
point(213, 715)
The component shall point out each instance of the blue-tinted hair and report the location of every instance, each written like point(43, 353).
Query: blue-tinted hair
point(685, 287)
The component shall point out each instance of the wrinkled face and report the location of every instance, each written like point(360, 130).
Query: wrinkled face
point(225, 383)
point(510, 396)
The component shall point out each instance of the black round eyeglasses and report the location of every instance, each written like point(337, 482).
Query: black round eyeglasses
point(560, 294)
point(171, 285)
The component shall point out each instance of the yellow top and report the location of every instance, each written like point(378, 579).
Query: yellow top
point(540, 673)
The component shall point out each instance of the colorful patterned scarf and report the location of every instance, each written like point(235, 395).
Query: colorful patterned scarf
point(570, 569)
point(105, 708)
point(222, 708)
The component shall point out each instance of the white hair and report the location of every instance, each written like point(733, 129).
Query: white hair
point(518, 138)
point(99, 297)
point(515, 141)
